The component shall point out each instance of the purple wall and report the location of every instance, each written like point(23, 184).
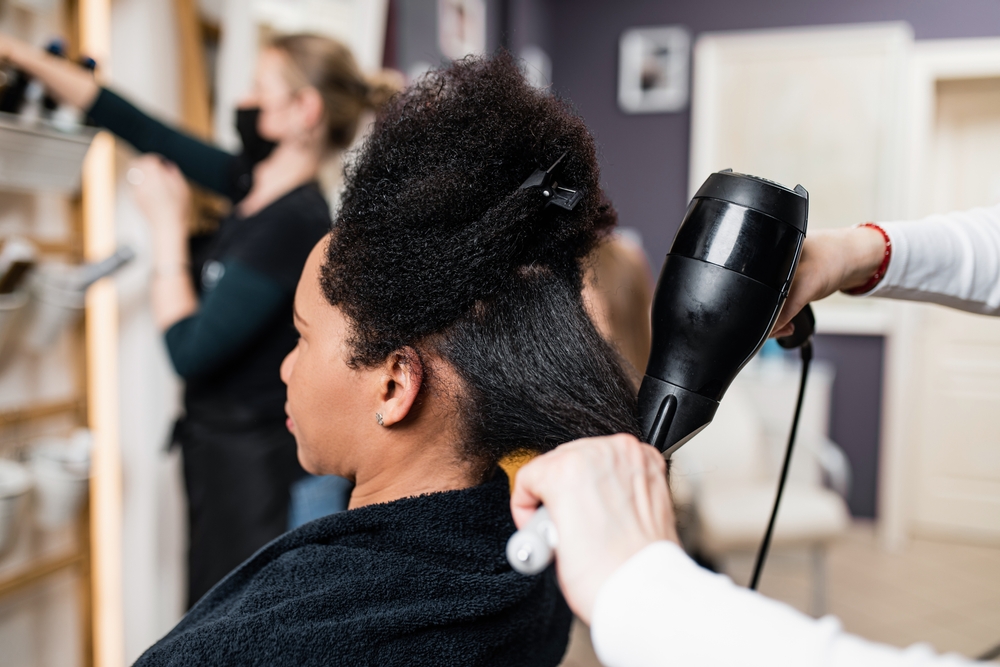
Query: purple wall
point(645, 157)
point(855, 417)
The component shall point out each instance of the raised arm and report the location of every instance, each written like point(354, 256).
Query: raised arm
point(206, 165)
point(66, 81)
point(952, 259)
point(203, 163)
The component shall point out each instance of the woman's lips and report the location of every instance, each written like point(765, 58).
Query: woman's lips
point(289, 424)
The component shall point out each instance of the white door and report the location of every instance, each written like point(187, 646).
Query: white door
point(956, 477)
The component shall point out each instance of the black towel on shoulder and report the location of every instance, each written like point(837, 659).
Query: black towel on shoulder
point(418, 581)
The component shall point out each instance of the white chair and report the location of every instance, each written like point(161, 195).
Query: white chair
point(728, 473)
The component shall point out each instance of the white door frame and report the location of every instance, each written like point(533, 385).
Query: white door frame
point(933, 61)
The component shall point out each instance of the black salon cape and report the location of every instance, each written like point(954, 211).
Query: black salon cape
point(418, 581)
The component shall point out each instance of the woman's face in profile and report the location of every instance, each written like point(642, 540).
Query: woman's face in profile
point(329, 404)
point(273, 94)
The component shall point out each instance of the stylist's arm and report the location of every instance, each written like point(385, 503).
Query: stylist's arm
point(622, 571)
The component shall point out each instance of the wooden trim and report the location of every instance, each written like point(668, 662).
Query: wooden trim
point(71, 27)
point(102, 410)
point(57, 247)
point(85, 587)
point(32, 413)
point(94, 23)
point(196, 114)
point(98, 193)
point(33, 574)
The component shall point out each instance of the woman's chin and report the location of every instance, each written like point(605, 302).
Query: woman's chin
point(306, 461)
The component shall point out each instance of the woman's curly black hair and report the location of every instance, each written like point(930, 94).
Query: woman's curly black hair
point(437, 248)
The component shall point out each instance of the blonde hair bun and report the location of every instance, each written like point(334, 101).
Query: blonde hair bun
point(329, 66)
point(382, 85)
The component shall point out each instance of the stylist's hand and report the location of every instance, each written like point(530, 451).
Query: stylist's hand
point(608, 498)
point(160, 190)
point(165, 199)
point(832, 260)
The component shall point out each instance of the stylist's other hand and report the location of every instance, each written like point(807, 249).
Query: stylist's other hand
point(832, 260)
point(160, 190)
point(164, 198)
point(608, 498)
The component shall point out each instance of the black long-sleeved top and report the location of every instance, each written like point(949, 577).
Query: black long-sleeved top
point(230, 351)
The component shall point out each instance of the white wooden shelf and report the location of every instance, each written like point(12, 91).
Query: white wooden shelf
point(39, 157)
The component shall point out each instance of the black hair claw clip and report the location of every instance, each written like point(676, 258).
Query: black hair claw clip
point(556, 195)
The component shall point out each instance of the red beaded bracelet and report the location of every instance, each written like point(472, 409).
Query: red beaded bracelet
point(880, 271)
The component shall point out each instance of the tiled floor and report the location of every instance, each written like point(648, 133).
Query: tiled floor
point(942, 593)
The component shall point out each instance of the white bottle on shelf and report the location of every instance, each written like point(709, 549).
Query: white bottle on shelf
point(31, 112)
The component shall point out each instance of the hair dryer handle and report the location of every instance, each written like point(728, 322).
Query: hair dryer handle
point(805, 325)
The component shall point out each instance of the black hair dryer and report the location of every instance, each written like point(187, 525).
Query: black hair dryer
point(722, 286)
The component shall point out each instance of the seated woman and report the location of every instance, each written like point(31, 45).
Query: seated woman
point(441, 328)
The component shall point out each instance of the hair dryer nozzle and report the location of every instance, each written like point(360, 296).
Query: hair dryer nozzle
point(672, 415)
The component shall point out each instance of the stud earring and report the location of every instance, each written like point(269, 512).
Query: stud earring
point(378, 418)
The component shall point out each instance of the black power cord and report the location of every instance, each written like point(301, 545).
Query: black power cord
point(807, 354)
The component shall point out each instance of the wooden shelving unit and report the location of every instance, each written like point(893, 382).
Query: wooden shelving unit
point(78, 557)
point(38, 411)
point(95, 555)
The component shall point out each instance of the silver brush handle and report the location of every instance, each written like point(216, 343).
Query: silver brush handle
point(531, 549)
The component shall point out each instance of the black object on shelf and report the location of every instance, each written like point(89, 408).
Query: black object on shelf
point(58, 49)
point(14, 87)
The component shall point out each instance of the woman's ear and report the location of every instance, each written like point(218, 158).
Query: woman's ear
point(400, 384)
point(310, 104)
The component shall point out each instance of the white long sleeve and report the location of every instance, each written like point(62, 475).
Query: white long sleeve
point(660, 608)
point(952, 259)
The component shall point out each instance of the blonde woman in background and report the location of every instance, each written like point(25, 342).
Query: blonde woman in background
point(225, 303)
point(618, 293)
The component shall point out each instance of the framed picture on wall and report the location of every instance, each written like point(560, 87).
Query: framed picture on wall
point(653, 69)
point(461, 27)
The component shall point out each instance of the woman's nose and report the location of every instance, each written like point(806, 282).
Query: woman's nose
point(287, 365)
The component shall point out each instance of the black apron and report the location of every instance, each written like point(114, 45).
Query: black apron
point(237, 474)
